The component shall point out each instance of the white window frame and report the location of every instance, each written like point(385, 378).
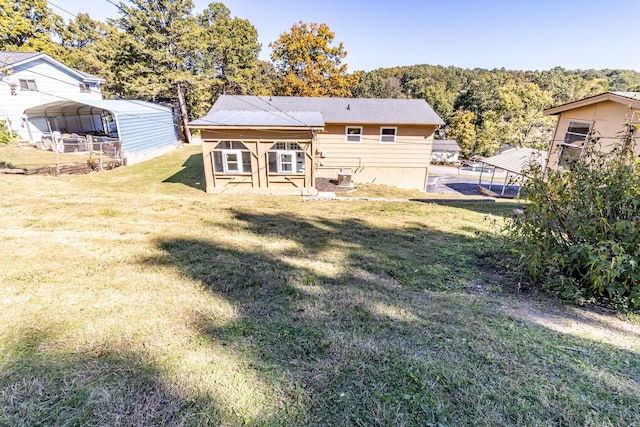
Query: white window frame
point(28, 84)
point(292, 163)
point(225, 161)
point(382, 136)
point(297, 158)
point(85, 87)
point(225, 152)
point(347, 135)
point(579, 122)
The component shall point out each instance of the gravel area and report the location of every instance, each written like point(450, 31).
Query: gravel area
point(331, 185)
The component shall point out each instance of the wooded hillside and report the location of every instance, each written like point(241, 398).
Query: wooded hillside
point(161, 50)
point(484, 108)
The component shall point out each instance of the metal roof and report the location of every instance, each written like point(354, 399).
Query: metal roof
point(445, 145)
point(336, 110)
point(303, 119)
point(121, 106)
point(517, 159)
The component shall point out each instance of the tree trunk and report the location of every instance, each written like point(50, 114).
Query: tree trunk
point(184, 117)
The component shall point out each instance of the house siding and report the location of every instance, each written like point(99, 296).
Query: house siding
point(403, 163)
point(609, 120)
point(53, 84)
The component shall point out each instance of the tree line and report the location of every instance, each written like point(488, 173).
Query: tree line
point(160, 50)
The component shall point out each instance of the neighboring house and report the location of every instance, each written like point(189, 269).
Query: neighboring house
point(41, 98)
point(28, 79)
point(280, 145)
point(445, 151)
point(604, 120)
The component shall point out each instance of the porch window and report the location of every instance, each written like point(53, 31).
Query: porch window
point(286, 158)
point(388, 135)
point(28, 84)
point(231, 157)
point(353, 134)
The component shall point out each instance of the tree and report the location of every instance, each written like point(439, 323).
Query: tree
point(29, 25)
point(90, 47)
point(224, 58)
point(462, 129)
point(152, 60)
point(308, 66)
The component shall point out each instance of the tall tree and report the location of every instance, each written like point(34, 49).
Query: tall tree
point(307, 64)
point(90, 47)
point(29, 25)
point(231, 47)
point(152, 60)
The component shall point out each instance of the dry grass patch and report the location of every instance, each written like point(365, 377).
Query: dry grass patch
point(130, 297)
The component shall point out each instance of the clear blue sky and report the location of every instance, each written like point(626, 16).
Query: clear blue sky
point(514, 34)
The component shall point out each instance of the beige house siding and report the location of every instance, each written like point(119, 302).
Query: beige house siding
point(259, 180)
point(609, 122)
point(403, 163)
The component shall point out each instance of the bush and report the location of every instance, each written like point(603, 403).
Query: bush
point(5, 135)
point(579, 234)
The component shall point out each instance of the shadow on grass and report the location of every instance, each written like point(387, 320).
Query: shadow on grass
point(39, 385)
point(191, 174)
point(354, 324)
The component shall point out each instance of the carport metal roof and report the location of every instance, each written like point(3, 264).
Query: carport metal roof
point(513, 161)
point(118, 106)
point(517, 160)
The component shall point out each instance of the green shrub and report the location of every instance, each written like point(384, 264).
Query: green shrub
point(5, 135)
point(579, 234)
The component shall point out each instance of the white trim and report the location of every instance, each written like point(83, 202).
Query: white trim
point(225, 161)
point(580, 122)
point(347, 134)
point(395, 134)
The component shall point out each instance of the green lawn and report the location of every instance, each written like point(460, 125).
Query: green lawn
point(131, 297)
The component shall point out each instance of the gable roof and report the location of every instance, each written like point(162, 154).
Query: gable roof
point(331, 110)
point(625, 98)
point(11, 59)
point(445, 145)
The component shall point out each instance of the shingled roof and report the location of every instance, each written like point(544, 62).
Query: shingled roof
point(332, 110)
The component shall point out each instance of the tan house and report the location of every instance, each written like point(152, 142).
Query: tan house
point(280, 145)
point(604, 120)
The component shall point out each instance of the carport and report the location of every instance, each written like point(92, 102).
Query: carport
point(140, 128)
point(514, 162)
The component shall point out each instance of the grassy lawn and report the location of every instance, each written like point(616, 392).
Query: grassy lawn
point(131, 297)
point(27, 156)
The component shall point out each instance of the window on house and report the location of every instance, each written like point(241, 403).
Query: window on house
point(85, 87)
point(354, 134)
point(573, 144)
point(28, 84)
point(577, 132)
point(286, 158)
point(388, 135)
point(231, 157)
